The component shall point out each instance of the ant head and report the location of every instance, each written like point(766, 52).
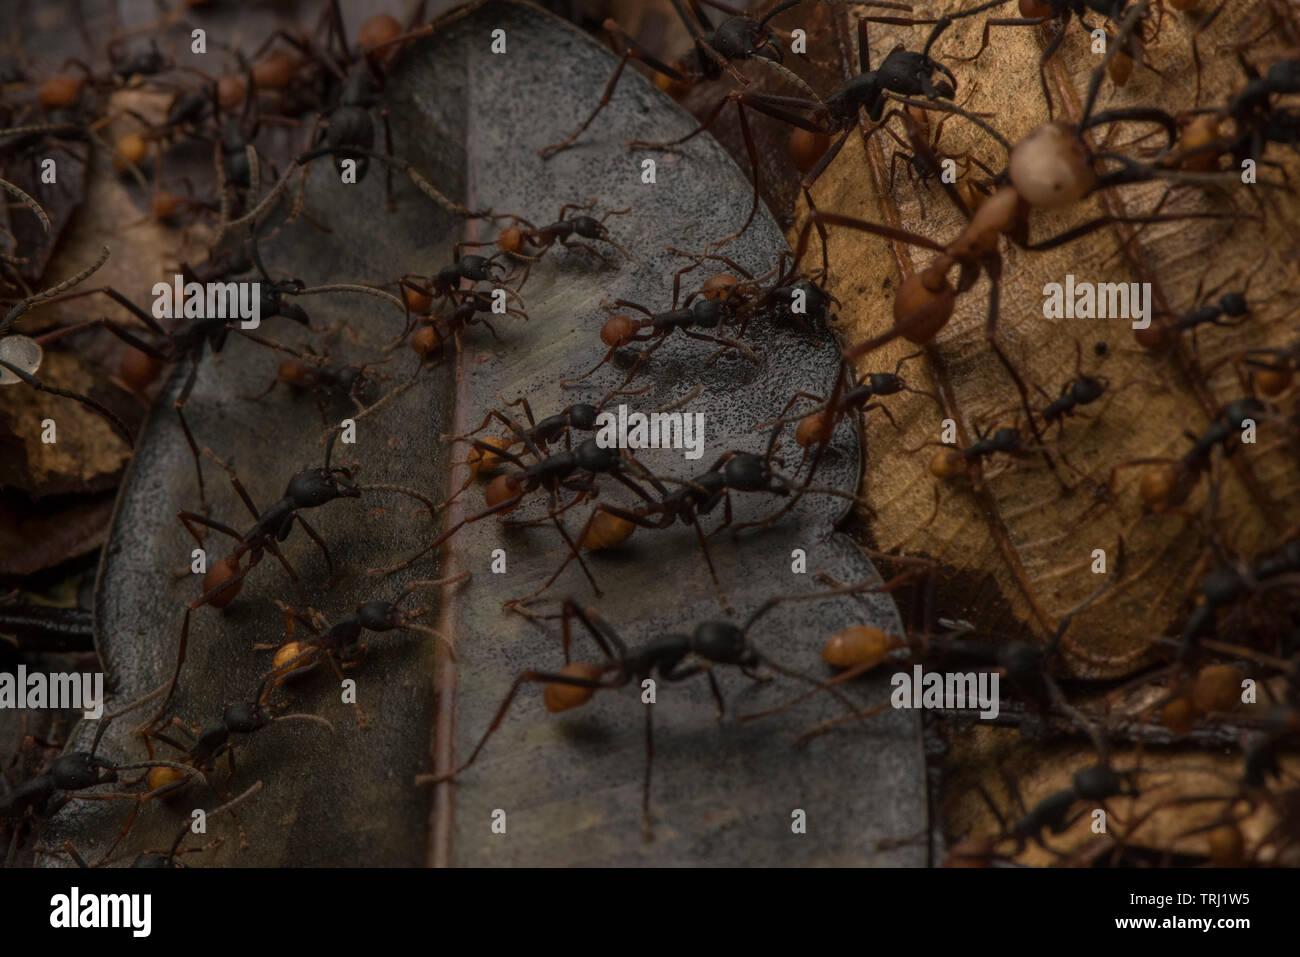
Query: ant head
point(246, 717)
point(273, 302)
point(1242, 409)
point(1100, 781)
point(747, 472)
point(312, 487)
point(1222, 586)
point(816, 299)
point(583, 416)
point(1284, 76)
point(884, 383)
point(589, 228)
point(1234, 304)
point(591, 456)
point(724, 642)
point(1022, 661)
point(79, 770)
point(379, 616)
point(1087, 389)
point(707, 312)
point(739, 37)
point(477, 268)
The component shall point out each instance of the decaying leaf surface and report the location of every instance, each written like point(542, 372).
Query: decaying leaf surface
point(1022, 538)
point(1018, 551)
point(570, 788)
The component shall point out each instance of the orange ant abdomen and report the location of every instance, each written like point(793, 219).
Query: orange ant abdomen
point(481, 460)
point(926, 301)
point(502, 489)
point(61, 90)
point(562, 697)
point(276, 71)
point(219, 575)
point(606, 531)
point(378, 30)
point(618, 331)
point(807, 147)
point(858, 647)
point(139, 369)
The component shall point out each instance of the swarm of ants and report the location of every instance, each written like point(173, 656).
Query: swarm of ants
point(1102, 511)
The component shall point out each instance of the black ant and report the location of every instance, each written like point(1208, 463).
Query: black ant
point(164, 779)
point(1229, 310)
point(711, 643)
point(609, 525)
point(1023, 664)
point(327, 380)
point(350, 130)
point(553, 473)
point(171, 857)
point(782, 294)
point(309, 488)
point(189, 340)
point(432, 332)
point(340, 642)
point(926, 162)
point(902, 72)
point(1083, 389)
point(622, 330)
point(525, 241)
point(581, 416)
point(1038, 12)
point(1094, 784)
point(952, 461)
point(1169, 484)
point(43, 795)
point(1228, 584)
point(419, 293)
point(817, 425)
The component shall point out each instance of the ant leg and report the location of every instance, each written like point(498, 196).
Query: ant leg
point(647, 829)
point(176, 673)
point(708, 560)
point(568, 540)
point(179, 406)
point(631, 49)
point(388, 170)
point(526, 677)
point(234, 482)
point(187, 517)
point(315, 537)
